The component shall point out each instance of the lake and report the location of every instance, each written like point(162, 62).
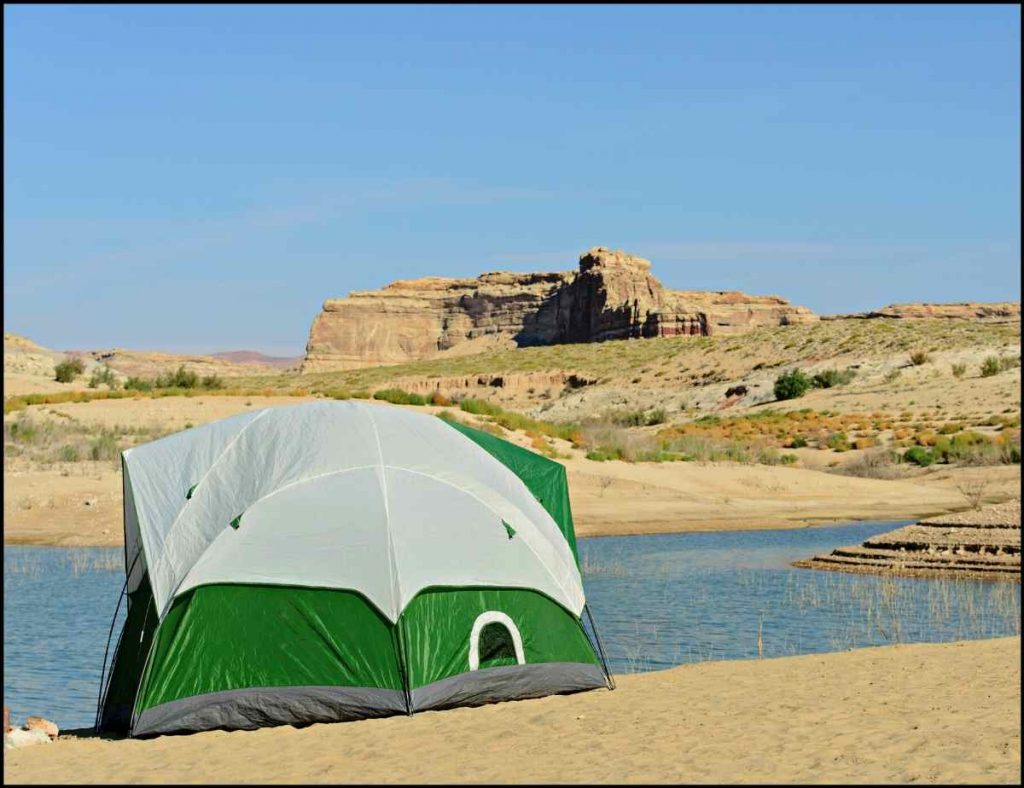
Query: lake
point(658, 601)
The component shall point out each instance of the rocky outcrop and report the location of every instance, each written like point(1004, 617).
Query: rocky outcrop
point(980, 543)
point(994, 311)
point(612, 295)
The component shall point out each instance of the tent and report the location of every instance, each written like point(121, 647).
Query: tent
point(341, 560)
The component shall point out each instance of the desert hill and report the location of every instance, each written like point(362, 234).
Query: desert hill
point(29, 367)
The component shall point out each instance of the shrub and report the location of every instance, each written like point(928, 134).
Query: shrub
point(838, 441)
point(479, 407)
point(877, 464)
point(1009, 362)
point(798, 442)
point(919, 357)
point(788, 459)
point(950, 429)
point(212, 382)
point(138, 384)
point(399, 397)
point(828, 378)
point(104, 447)
point(437, 398)
point(179, 379)
point(990, 367)
point(918, 456)
point(638, 418)
point(102, 375)
point(959, 370)
point(790, 385)
point(69, 369)
point(68, 453)
point(599, 455)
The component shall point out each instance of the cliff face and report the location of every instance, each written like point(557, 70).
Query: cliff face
point(611, 296)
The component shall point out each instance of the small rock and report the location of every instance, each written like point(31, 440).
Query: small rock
point(90, 502)
point(44, 725)
point(24, 738)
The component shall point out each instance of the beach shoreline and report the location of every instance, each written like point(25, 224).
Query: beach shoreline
point(933, 713)
point(81, 505)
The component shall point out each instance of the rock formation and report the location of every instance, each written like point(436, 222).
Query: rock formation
point(967, 310)
point(981, 543)
point(612, 295)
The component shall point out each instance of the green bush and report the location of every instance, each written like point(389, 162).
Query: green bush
point(959, 370)
point(990, 367)
point(212, 382)
point(790, 385)
point(138, 384)
point(399, 397)
point(838, 441)
point(798, 442)
point(638, 418)
point(919, 455)
point(179, 379)
point(69, 369)
point(600, 455)
point(68, 453)
point(788, 459)
point(828, 378)
point(103, 375)
point(479, 407)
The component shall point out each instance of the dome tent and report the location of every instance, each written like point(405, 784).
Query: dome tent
point(339, 560)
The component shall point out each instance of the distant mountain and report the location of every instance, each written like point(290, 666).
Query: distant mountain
point(254, 357)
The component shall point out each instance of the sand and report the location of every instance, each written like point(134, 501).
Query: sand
point(79, 504)
point(947, 713)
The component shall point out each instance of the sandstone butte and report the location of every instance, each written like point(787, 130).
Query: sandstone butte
point(612, 295)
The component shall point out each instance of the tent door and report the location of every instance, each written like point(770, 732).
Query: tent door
point(495, 640)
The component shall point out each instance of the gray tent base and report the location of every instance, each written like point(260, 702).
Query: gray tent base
point(249, 709)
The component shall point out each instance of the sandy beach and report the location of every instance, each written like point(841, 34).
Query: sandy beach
point(935, 713)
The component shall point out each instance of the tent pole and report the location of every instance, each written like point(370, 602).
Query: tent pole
point(104, 685)
point(106, 651)
point(145, 666)
point(600, 648)
point(402, 667)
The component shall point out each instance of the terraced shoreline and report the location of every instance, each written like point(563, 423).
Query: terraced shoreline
point(978, 544)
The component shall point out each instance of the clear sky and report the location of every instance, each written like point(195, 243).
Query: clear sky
point(199, 178)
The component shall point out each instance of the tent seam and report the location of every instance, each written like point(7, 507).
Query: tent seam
point(177, 518)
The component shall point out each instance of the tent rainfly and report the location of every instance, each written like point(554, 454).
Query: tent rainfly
point(341, 560)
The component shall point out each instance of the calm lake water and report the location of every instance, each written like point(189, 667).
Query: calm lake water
point(659, 601)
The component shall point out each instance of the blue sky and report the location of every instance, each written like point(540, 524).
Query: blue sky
point(201, 178)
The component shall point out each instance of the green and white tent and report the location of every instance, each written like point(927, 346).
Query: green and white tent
point(339, 560)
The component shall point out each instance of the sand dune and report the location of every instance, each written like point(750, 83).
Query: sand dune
point(946, 713)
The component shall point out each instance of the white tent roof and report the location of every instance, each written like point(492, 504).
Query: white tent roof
point(373, 498)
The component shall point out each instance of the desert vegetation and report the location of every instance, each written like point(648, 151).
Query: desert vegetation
point(68, 369)
point(49, 441)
